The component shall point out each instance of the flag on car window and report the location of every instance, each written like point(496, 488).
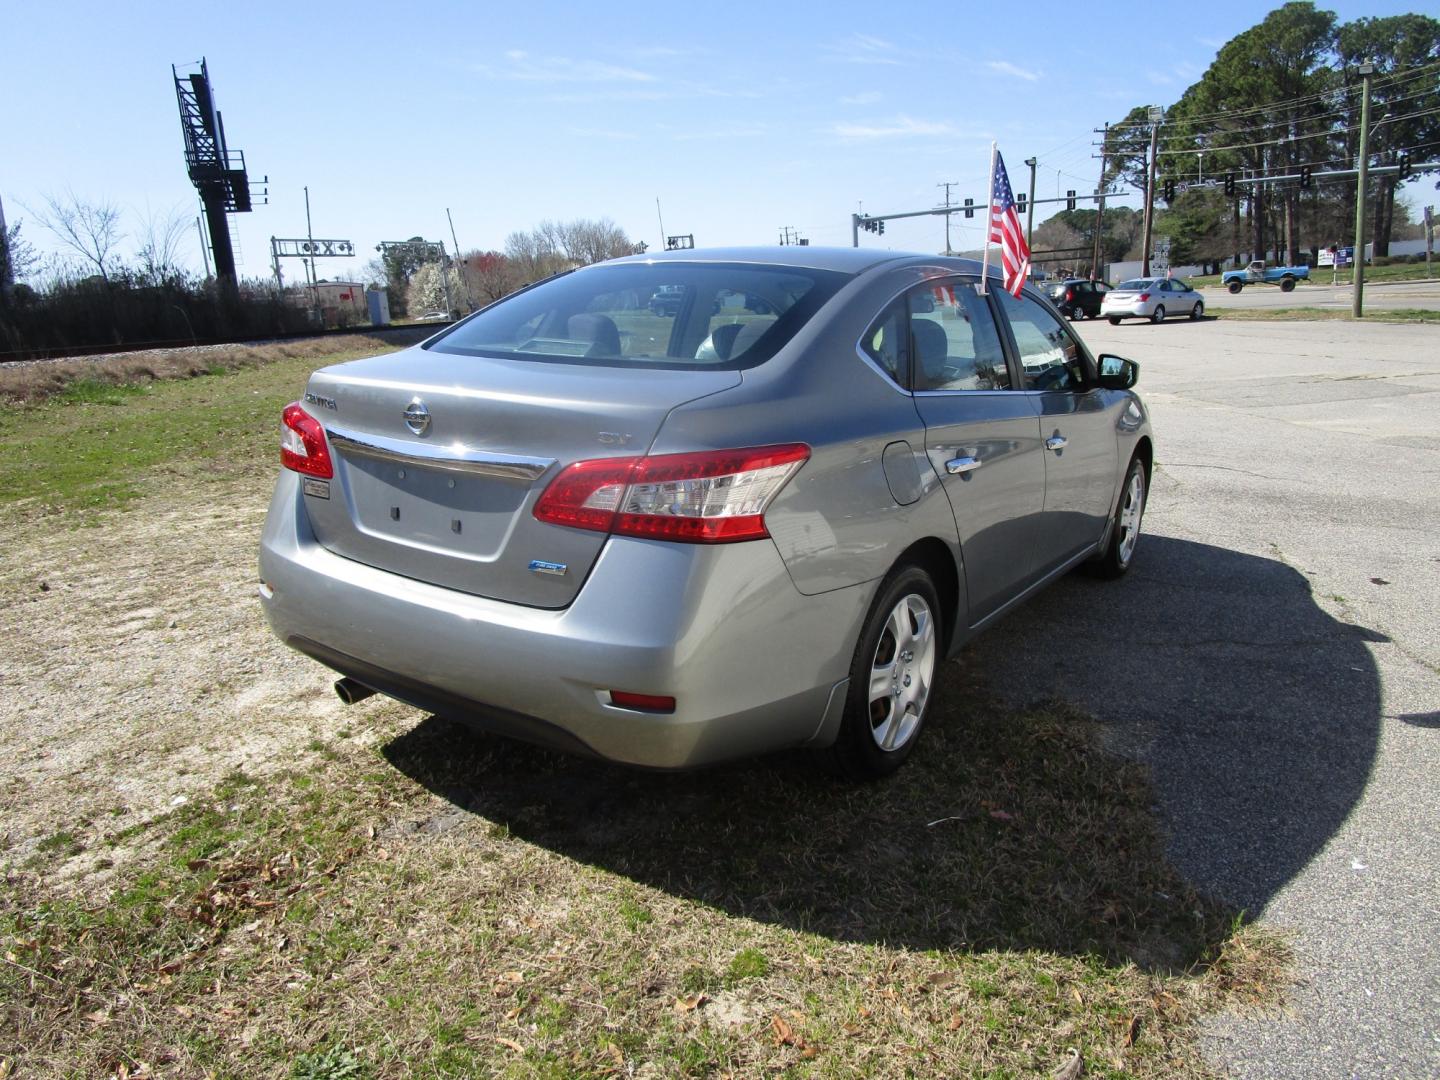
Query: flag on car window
point(1006, 230)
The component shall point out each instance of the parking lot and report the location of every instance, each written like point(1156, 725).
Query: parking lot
point(1278, 666)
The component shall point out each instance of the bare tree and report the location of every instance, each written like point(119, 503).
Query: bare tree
point(491, 275)
point(161, 235)
point(558, 245)
point(90, 230)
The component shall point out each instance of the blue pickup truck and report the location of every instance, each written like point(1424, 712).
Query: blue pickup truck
point(1257, 274)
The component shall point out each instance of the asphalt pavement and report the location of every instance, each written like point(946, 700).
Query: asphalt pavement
point(1274, 656)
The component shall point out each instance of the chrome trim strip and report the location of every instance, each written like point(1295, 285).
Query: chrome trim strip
point(455, 457)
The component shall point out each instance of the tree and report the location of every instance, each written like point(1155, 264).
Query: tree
point(1400, 100)
point(426, 291)
point(18, 257)
point(554, 246)
point(160, 243)
point(90, 230)
point(490, 275)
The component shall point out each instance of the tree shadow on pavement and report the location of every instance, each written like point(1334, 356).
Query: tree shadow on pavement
point(1014, 826)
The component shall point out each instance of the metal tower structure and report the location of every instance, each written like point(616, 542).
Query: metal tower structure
point(217, 172)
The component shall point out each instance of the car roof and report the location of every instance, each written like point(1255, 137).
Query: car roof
point(847, 260)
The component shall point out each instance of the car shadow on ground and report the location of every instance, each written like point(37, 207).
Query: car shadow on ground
point(1235, 725)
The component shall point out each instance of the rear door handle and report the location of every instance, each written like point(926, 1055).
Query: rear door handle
point(1055, 442)
point(956, 466)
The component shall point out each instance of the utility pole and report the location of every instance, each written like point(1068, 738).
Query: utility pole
point(1362, 168)
point(661, 218)
point(1030, 205)
point(460, 263)
point(947, 185)
point(1429, 237)
point(1100, 208)
point(1156, 114)
point(314, 282)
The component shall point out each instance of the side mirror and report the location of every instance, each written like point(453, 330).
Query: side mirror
point(1117, 373)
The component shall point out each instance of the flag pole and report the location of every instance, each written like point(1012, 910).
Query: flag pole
point(989, 210)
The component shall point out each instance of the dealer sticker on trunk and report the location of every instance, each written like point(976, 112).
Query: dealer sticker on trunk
point(319, 488)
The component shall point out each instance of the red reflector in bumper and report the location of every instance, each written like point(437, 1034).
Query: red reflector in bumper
point(647, 702)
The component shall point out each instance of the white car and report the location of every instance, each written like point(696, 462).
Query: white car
point(1153, 299)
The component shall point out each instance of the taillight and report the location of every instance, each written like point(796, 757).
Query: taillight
point(1143, 297)
point(712, 497)
point(1069, 294)
point(302, 443)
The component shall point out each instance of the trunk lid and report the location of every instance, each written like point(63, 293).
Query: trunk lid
point(439, 459)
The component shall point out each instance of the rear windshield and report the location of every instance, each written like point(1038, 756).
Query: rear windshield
point(1136, 283)
point(662, 314)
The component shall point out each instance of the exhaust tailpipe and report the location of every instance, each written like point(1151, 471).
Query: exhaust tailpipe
point(349, 691)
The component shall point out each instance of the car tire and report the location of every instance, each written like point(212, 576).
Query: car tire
point(1119, 550)
point(1114, 320)
point(892, 676)
point(1197, 312)
point(1234, 286)
point(1158, 315)
point(1287, 284)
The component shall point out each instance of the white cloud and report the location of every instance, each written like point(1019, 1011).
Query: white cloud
point(1004, 67)
point(522, 66)
point(903, 126)
point(869, 98)
point(864, 49)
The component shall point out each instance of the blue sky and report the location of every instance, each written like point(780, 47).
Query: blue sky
point(741, 118)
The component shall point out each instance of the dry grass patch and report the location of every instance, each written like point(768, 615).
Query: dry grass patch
point(465, 906)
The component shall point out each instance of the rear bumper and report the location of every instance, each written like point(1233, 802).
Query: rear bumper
point(753, 664)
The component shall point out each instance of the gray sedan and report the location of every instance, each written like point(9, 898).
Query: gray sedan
point(757, 519)
point(1153, 299)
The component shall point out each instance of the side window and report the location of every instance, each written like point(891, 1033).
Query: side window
point(954, 341)
point(1049, 353)
point(885, 342)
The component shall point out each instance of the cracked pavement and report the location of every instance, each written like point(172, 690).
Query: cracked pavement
point(1274, 656)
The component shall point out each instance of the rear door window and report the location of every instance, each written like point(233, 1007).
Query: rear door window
point(954, 341)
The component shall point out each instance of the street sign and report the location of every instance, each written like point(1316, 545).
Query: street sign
point(1345, 256)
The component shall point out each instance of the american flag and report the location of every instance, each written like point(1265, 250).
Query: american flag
point(1006, 230)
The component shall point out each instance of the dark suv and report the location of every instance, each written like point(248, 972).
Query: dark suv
point(1078, 298)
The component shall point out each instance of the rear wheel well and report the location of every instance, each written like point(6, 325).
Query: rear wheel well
point(934, 557)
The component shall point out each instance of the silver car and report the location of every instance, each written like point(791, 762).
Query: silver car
point(1153, 299)
point(758, 519)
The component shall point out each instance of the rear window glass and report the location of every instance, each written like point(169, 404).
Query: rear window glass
point(662, 314)
point(1136, 283)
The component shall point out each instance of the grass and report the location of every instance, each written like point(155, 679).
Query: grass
point(96, 444)
point(1389, 315)
point(1005, 900)
point(441, 905)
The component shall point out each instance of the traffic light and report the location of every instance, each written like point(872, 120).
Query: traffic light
point(1230, 185)
point(1404, 164)
point(970, 208)
point(1304, 176)
point(1169, 191)
point(1020, 202)
point(1070, 199)
point(881, 228)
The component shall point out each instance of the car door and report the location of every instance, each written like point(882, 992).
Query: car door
point(981, 436)
point(1077, 424)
